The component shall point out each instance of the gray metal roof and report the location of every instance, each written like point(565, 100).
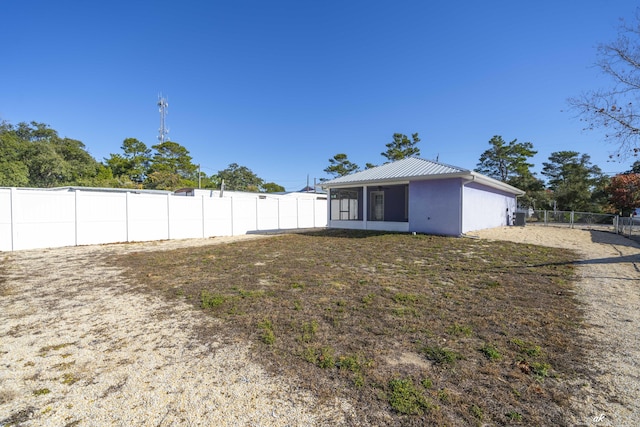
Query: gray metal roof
point(411, 167)
point(414, 169)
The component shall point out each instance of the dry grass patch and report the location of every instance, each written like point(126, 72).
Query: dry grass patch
point(339, 311)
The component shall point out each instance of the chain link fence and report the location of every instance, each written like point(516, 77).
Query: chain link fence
point(626, 226)
point(629, 226)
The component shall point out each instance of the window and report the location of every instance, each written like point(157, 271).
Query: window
point(344, 204)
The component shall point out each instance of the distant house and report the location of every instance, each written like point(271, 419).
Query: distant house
point(417, 195)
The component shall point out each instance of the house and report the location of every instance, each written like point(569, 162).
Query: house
point(423, 196)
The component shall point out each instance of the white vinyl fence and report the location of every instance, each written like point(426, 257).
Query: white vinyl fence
point(31, 219)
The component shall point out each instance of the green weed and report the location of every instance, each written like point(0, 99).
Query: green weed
point(402, 298)
point(441, 356)
point(309, 330)
point(405, 398)
point(514, 416)
point(267, 336)
point(491, 352)
point(477, 412)
point(41, 392)
point(540, 369)
point(459, 330)
point(527, 348)
point(209, 300)
point(321, 357)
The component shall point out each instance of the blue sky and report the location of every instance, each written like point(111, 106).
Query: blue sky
point(282, 86)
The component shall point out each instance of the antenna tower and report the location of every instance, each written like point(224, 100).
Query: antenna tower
point(163, 106)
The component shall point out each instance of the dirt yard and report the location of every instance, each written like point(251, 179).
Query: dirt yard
point(66, 319)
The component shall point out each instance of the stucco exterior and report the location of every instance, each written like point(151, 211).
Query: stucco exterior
point(434, 206)
point(485, 207)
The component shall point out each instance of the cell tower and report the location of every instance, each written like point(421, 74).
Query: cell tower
point(163, 106)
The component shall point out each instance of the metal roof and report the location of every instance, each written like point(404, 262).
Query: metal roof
point(415, 169)
point(411, 167)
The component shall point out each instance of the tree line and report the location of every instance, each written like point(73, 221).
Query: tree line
point(34, 155)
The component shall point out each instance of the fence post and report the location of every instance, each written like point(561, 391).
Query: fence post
point(231, 204)
point(168, 216)
point(571, 219)
point(545, 217)
point(202, 212)
point(12, 205)
point(75, 216)
point(257, 213)
point(126, 214)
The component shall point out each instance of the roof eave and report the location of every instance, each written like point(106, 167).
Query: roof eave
point(494, 183)
point(466, 175)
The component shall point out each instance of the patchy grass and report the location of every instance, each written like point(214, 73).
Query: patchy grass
point(397, 323)
point(41, 392)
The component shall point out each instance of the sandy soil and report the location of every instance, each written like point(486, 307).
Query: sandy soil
point(77, 346)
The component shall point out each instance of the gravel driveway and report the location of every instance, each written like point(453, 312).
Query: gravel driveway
point(79, 347)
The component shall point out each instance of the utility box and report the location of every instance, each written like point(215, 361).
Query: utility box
point(520, 219)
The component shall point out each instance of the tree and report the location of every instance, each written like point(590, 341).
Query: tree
point(401, 147)
point(615, 109)
point(171, 167)
point(32, 154)
point(81, 167)
point(239, 178)
point(574, 181)
point(13, 171)
point(635, 167)
point(272, 187)
point(339, 166)
point(506, 161)
point(133, 164)
point(624, 192)
point(536, 196)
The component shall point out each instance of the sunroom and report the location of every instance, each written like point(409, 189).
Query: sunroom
point(374, 207)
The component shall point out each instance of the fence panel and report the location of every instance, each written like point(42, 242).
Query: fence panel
point(185, 217)
point(629, 226)
point(148, 217)
point(245, 217)
point(587, 220)
point(43, 219)
point(288, 214)
point(101, 218)
point(268, 212)
point(6, 231)
point(320, 213)
point(305, 213)
point(217, 217)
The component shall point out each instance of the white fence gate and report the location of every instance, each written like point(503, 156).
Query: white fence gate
point(31, 219)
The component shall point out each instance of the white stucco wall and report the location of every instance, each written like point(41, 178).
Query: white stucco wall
point(484, 207)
